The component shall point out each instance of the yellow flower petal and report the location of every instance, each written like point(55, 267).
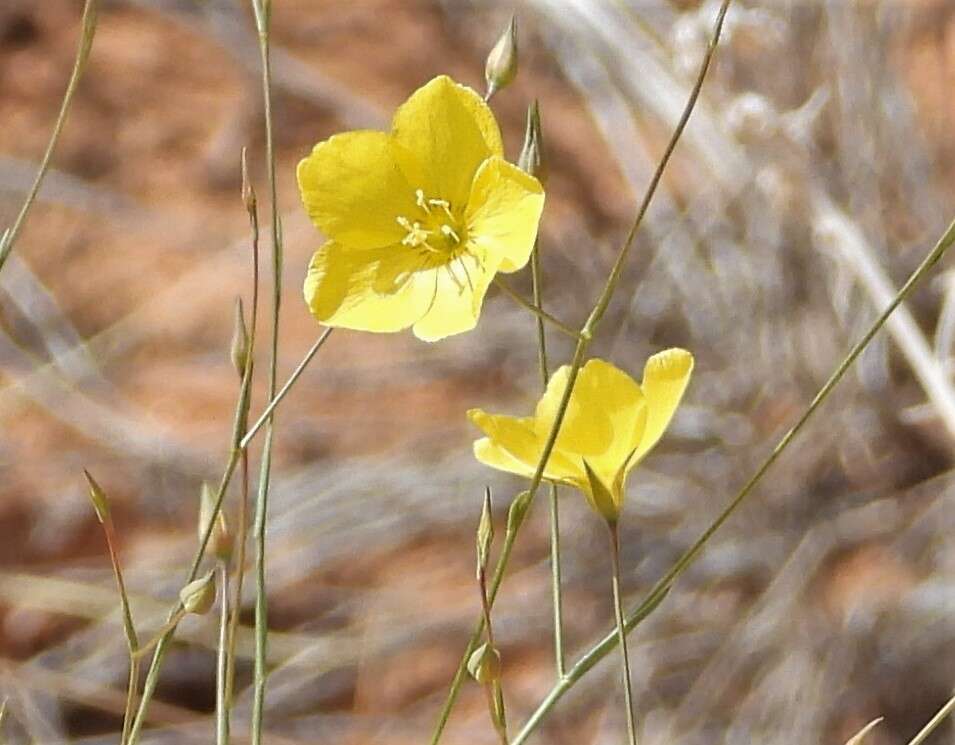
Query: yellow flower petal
point(604, 419)
point(503, 212)
point(354, 189)
point(458, 294)
point(512, 445)
point(340, 290)
point(665, 378)
point(451, 131)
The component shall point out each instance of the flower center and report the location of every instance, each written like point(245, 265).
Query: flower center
point(437, 229)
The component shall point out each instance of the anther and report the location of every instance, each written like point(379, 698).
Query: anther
point(448, 232)
point(422, 202)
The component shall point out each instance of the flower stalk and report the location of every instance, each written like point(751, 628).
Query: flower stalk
point(614, 534)
point(586, 335)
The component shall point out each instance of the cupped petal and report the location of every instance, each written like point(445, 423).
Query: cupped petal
point(340, 289)
point(503, 212)
point(458, 294)
point(451, 131)
point(665, 379)
point(605, 415)
point(354, 189)
point(512, 445)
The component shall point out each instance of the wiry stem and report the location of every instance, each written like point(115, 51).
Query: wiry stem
point(537, 290)
point(621, 631)
point(277, 398)
point(88, 31)
point(586, 334)
point(129, 629)
point(263, 13)
point(660, 590)
point(533, 308)
point(222, 661)
point(934, 722)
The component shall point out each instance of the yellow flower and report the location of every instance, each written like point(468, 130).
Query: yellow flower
point(611, 423)
point(419, 219)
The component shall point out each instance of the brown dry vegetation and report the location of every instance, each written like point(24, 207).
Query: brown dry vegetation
point(826, 602)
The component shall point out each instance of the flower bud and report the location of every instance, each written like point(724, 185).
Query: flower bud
point(485, 533)
point(220, 541)
point(484, 664)
point(531, 159)
point(239, 349)
point(98, 498)
point(518, 511)
point(198, 596)
point(501, 67)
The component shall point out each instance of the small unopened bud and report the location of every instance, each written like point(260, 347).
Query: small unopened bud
point(98, 498)
point(198, 596)
point(501, 66)
point(484, 664)
point(485, 533)
point(532, 154)
point(248, 191)
point(518, 511)
point(239, 349)
point(220, 540)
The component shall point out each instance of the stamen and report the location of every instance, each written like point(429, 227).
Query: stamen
point(443, 204)
point(448, 231)
point(422, 202)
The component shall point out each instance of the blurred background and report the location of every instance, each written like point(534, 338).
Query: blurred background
point(816, 172)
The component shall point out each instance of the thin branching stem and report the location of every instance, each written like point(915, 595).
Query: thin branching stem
point(614, 533)
point(238, 427)
point(533, 308)
point(659, 591)
point(129, 629)
point(580, 352)
point(263, 18)
point(277, 398)
point(88, 30)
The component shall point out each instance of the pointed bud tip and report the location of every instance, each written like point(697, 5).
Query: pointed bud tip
point(485, 533)
point(97, 497)
point(501, 67)
point(239, 347)
point(531, 159)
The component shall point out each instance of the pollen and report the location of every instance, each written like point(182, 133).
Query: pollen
point(437, 229)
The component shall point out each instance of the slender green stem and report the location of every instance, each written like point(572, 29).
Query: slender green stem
point(175, 615)
point(132, 640)
point(539, 312)
point(494, 689)
point(934, 722)
point(584, 338)
point(277, 399)
point(88, 31)
point(222, 660)
point(241, 535)
point(263, 14)
point(621, 631)
point(538, 290)
point(663, 585)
